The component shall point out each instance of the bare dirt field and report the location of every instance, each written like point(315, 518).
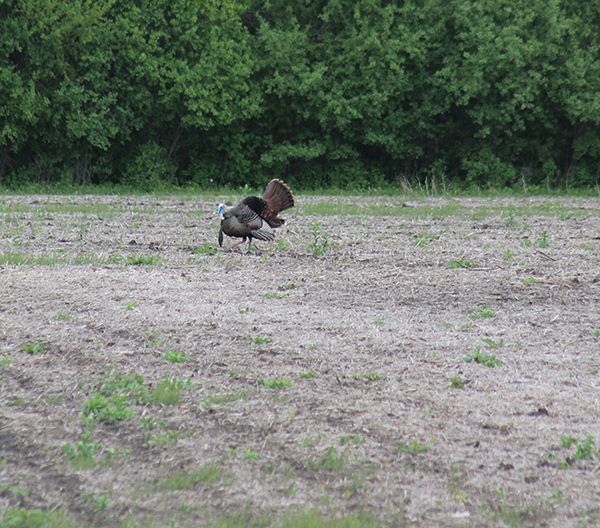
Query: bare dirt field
point(422, 361)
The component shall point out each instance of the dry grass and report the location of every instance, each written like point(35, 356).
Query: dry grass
point(307, 381)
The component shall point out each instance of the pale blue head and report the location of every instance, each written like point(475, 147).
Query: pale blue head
point(220, 210)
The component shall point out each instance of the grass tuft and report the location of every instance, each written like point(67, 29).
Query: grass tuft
point(483, 359)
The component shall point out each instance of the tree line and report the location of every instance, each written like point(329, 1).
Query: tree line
point(323, 93)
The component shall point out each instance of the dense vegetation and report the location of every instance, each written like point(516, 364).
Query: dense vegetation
point(324, 93)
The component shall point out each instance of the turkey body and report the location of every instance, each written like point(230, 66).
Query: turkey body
point(256, 217)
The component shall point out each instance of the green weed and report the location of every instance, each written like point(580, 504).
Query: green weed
point(455, 483)
point(174, 357)
point(142, 260)
point(350, 439)
point(456, 382)
point(482, 314)
point(413, 447)
point(249, 454)
point(110, 410)
point(100, 503)
point(23, 518)
point(510, 219)
point(219, 399)
point(33, 348)
point(281, 244)
point(168, 392)
point(205, 249)
point(332, 460)
point(83, 455)
point(320, 243)
point(492, 343)
point(370, 376)
point(483, 359)
point(180, 480)
point(275, 383)
point(586, 449)
point(461, 263)
point(273, 295)
point(309, 374)
point(286, 287)
point(258, 340)
point(543, 242)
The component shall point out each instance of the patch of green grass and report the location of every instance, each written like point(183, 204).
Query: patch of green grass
point(543, 242)
point(413, 447)
point(351, 439)
point(379, 321)
point(285, 287)
point(5, 360)
point(14, 258)
point(276, 383)
point(24, 518)
point(250, 454)
point(492, 343)
point(84, 453)
point(274, 295)
point(375, 208)
point(110, 410)
point(369, 376)
point(281, 244)
point(142, 260)
point(132, 387)
point(220, 399)
point(8, 490)
point(309, 374)
point(530, 280)
point(174, 357)
point(333, 460)
point(130, 306)
point(456, 382)
point(164, 438)
point(482, 358)
point(205, 249)
point(180, 479)
point(423, 239)
point(168, 392)
point(509, 221)
point(455, 483)
point(100, 502)
point(320, 242)
point(483, 314)
point(258, 340)
point(148, 424)
point(460, 263)
point(33, 348)
point(586, 449)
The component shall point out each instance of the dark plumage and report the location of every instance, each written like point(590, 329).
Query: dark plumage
point(256, 217)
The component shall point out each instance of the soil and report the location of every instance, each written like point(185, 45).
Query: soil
point(427, 361)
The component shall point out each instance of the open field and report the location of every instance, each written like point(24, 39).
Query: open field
point(425, 362)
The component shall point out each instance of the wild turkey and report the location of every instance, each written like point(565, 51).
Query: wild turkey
point(256, 217)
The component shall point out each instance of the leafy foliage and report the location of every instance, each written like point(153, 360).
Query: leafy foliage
point(327, 93)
